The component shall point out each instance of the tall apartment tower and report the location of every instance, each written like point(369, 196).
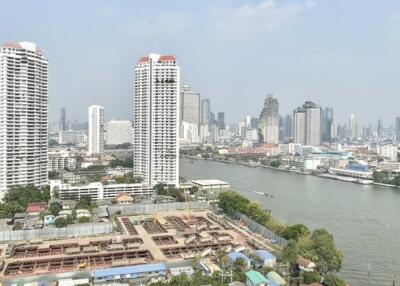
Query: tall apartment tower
point(299, 126)
point(269, 120)
point(156, 120)
point(190, 106)
point(307, 124)
point(23, 116)
point(96, 130)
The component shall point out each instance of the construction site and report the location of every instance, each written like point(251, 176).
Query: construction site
point(139, 239)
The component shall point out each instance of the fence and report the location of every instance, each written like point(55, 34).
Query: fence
point(75, 230)
point(152, 208)
point(262, 230)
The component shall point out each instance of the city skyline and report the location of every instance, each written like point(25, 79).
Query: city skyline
point(337, 71)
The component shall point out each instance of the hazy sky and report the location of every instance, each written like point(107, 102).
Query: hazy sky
point(342, 53)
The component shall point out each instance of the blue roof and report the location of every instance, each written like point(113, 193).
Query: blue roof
point(236, 255)
point(264, 255)
point(157, 267)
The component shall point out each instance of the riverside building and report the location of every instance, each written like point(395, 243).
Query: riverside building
point(23, 116)
point(156, 120)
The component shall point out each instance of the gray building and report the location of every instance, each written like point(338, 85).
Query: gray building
point(269, 120)
point(190, 106)
point(205, 110)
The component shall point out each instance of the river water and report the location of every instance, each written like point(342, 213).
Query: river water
point(365, 220)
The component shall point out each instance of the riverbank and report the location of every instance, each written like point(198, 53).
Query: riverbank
point(362, 218)
point(324, 175)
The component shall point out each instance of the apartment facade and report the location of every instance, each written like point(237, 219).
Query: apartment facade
point(307, 124)
point(23, 116)
point(156, 120)
point(118, 132)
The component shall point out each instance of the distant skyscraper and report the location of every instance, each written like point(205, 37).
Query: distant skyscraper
point(190, 106)
point(380, 129)
point(96, 130)
point(63, 120)
point(327, 124)
point(23, 116)
point(118, 132)
point(308, 124)
point(205, 110)
point(269, 120)
point(221, 121)
point(156, 120)
point(397, 126)
point(299, 126)
point(288, 126)
point(353, 127)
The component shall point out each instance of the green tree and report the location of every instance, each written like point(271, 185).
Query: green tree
point(60, 222)
point(55, 208)
point(329, 258)
point(295, 231)
point(332, 280)
point(84, 219)
point(311, 277)
point(84, 202)
point(275, 163)
point(8, 209)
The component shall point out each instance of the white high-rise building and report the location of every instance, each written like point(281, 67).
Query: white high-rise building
point(307, 124)
point(23, 116)
point(299, 126)
point(156, 120)
point(96, 130)
point(119, 132)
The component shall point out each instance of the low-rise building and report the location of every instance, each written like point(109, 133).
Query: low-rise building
point(129, 272)
point(211, 184)
point(98, 191)
point(305, 264)
point(255, 278)
point(61, 160)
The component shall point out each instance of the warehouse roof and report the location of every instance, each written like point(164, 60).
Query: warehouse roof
point(157, 267)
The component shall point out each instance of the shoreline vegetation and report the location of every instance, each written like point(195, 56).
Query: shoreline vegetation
point(317, 245)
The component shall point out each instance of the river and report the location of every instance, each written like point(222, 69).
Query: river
point(364, 219)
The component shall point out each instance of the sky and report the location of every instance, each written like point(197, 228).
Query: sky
point(343, 54)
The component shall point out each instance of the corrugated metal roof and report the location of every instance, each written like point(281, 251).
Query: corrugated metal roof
point(264, 255)
point(236, 255)
point(256, 277)
point(157, 267)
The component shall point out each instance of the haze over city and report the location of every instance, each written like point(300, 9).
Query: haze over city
point(233, 52)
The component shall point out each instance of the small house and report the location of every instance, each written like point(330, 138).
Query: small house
point(306, 265)
point(82, 213)
point(34, 209)
point(255, 278)
point(124, 199)
point(68, 204)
